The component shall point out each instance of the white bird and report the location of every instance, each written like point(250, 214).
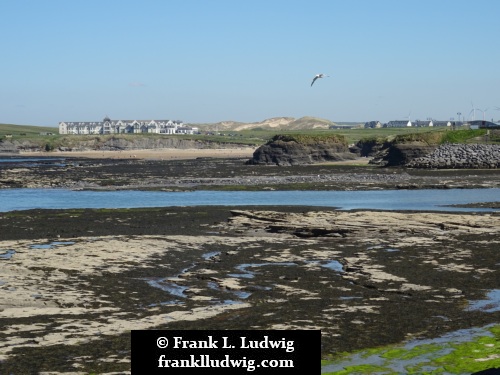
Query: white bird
point(321, 75)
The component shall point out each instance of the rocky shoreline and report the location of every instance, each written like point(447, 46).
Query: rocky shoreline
point(217, 174)
point(74, 282)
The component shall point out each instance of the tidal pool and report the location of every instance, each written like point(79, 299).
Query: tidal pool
point(490, 304)
point(52, 245)
point(7, 255)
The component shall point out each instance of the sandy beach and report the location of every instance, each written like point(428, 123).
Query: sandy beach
point(153, 154)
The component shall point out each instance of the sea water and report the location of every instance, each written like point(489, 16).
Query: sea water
point(426, 199)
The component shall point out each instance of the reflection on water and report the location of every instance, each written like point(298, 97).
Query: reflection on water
point(251, 274)
point(7, 255)
point(52, 245)
point(32, 162)
point(490, 304)
point(432, 199)
point(168, 286)
point(334, 265)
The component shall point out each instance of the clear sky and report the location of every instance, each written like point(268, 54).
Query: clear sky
point(209, 61)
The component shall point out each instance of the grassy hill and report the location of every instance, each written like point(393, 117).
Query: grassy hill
point(25, 130)
point(256, 134)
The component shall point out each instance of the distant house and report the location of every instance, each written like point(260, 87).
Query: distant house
point(398, 124)
point(421, 123)
point(373, 124)
point(108, 126)
point(430, 123)
point(187, 130)
point(482, 124)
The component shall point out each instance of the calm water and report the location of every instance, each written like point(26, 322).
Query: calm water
point(32, 162)
point(23, 199)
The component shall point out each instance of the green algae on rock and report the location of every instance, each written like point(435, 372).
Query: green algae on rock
point(461, 352)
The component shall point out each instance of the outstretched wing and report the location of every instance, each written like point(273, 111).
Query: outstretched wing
point(315, 78)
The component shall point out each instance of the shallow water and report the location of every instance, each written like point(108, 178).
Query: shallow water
point(334, 265)
point(52, 245)
point(7, 254)
point(246, 274)
point(428, 200)
point(5, 160)
point(490, 304)
point(168, 286)
point(33, 162)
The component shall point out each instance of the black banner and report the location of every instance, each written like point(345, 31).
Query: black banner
point(226, 352)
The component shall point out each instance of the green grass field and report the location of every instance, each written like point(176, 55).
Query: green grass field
point(21, 131)
point(256, 137)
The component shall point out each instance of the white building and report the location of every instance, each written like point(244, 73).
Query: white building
point(108, 126)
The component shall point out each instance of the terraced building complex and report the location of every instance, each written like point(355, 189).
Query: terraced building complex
point(108, 126)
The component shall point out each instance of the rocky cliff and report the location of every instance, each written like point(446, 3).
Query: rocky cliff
point(107, 143)
point(298, 150)
point(139, 143)
point(400, 154)
point(369, 147)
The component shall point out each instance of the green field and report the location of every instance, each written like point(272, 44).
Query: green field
point(256, 137)
point(24, 131)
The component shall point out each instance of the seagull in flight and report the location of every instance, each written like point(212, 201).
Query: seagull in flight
point(321, 75)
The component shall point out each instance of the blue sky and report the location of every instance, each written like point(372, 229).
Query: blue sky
point(208, 61)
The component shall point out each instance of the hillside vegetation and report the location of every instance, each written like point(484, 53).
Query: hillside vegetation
point(309, 139)
point(431, 137)
point(25, 130)
point(440, 137)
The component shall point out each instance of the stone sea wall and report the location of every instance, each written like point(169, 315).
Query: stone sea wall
point(459, 156)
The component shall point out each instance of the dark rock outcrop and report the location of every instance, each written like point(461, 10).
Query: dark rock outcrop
point(16, 146)
point(369, 147)
point(401, 153)
point(8, 147)
point(289, 150)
